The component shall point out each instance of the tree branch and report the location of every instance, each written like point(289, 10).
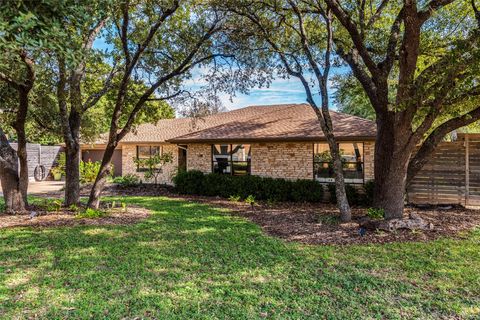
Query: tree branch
point(433, 6)
point(435, 137)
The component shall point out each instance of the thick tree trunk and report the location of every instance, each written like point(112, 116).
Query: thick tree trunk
point(72, 174)
point(14, 200)
point(99, 184)
point(72, 153)
point(12, 195)
point(391, 163)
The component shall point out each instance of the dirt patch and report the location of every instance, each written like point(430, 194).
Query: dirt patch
point(115, 216)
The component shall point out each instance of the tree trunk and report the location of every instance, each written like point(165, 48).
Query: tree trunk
point(391, 163)
point(14, 200)
point(72, 174)
point(99, 184)
point(340, 192)
point(22, 140)
point(72, 157)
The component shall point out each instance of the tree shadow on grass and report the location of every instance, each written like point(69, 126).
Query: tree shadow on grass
point(189, 260)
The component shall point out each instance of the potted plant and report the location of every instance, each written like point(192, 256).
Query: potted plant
point(57, 173)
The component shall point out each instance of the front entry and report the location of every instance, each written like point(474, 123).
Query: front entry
point(182, 158)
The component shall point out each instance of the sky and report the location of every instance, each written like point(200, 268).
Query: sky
point(280, 91)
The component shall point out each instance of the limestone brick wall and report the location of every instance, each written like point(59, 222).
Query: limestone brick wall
point(129, 153)
point(283, 160)
point(199, 157)
point(368, 154)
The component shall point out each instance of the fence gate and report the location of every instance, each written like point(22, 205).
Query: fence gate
point(472, 159)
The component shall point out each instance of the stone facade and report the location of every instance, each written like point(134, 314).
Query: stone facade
point(199, 157)
point(368, 159)
point(289, 160)
point(129, 153)
point(283, 160)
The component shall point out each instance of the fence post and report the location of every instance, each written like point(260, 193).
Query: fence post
point(467, 168)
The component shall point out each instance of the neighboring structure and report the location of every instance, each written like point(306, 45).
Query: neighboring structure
point(40, 159)
point(280, 141)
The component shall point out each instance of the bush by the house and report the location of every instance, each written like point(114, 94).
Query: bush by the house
point(369, 187)
point(89, 171)
point(128, 180)
point(356, 195)
point(195, 182)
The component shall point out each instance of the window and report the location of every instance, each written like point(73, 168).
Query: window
point(352, 159)
point(146, 152)
point(231, 159)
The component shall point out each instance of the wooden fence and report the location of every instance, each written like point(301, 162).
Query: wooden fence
point(40, 155)
point(451, 176)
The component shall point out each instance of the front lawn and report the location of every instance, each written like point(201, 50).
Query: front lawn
point(189, 260)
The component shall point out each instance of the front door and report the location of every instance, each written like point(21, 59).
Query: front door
point(182, 158)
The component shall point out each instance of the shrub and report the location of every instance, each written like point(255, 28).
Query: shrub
point(307, 191)
point(189, 182)
point(89, 171)
point(375, 213)
point(90, 213)
point(128, 180)
point(212, 184)
point(368, 187)
point(354, 198)
point(51, 205)
point(250, 200)
point(234, 198)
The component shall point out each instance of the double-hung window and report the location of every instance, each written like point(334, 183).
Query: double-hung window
point(352, 160)
point(231, 159)
point(146, 152)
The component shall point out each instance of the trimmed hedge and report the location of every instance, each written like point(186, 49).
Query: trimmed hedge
point(353, 195)
point(211, 184)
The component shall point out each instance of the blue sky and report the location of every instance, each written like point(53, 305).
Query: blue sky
point(280, 90)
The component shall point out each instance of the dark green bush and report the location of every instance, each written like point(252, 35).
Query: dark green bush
point(189, 182)
point(353, 196)
point(307, 191)
point(368, 187)
point(195, 182)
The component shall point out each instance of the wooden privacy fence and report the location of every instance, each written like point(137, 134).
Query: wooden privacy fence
point(40, 155)
point(451, 176)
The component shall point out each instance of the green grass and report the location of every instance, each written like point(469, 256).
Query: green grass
point(190, 261)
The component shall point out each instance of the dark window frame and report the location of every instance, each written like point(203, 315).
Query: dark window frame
point(230, 160)
point(345, 162)
point(160, 152)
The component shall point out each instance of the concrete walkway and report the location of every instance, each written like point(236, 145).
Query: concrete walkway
point(36, 188)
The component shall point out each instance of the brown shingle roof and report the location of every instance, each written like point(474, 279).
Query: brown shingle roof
point(280, 122)
point(254, 123)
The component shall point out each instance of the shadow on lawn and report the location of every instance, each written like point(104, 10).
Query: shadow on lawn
point(192, 261)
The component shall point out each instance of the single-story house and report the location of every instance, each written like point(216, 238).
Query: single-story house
point(279, 141)
point(286, 141)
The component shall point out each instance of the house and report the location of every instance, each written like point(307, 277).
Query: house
point(279, 141)
point(286, 141)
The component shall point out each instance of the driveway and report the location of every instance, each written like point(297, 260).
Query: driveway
point(36, 188)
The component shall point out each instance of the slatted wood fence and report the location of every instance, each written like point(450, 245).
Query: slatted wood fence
point(40, 155)
point(451, 176)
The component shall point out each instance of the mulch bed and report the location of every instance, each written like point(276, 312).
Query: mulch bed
point(315, 223)
point(116, 216)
